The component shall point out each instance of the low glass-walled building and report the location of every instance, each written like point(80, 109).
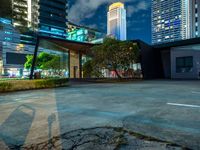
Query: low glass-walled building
point(65, 58)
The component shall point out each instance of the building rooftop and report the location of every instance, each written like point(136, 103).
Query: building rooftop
point(116, 5)
point(178, 43)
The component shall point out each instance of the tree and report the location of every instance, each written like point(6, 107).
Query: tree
point(115, 55)
point(28, 63)
point(89, 71)
point(47, 61)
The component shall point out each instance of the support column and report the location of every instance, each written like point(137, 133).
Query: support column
point(34, 59)
point(1, 68)
point(74, 64)
point(80, 65)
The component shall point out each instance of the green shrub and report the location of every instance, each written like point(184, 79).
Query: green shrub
point(31, 84)
point(43, 83)
point(4, 86)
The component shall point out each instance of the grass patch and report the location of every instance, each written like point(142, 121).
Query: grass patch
point(18, 85)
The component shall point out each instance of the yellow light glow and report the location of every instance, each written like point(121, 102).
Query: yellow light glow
point(116, 5)
point(20, 47)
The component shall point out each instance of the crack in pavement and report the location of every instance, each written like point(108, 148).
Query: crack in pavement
point(101, 138)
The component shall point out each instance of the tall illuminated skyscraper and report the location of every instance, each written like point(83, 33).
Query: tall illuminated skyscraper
point(117, 21)
point(175, 20)
point(195, 20)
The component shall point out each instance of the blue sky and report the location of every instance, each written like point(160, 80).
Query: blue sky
point(93, 13)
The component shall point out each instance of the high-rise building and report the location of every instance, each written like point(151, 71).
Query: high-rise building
point(195, 19)
point(25, 14)
point(20, 13)
point(53, 18)
point(48, 17)
point(116, 20)
point(174, 20)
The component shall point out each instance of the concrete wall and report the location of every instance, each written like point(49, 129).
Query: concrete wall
point(151, 62)
point(165, 56)
point(184, 52)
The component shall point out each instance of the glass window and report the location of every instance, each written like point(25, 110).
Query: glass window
point(184, 64)
point(1, 27)
point(44, 28)
point(57, 30)
point(8, 39)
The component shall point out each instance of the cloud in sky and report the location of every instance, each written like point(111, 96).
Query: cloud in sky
point(82, 9)
point(141, 5)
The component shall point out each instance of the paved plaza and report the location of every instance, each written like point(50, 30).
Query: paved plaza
point(167, 110)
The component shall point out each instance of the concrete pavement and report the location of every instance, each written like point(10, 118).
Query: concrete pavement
point(168, 110)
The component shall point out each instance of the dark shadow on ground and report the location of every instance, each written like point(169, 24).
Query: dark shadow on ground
point(23, 116)
point(51, 120)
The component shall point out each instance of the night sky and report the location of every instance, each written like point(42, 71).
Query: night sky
point(93, 13)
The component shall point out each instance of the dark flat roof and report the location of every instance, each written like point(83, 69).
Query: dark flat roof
point(68, 44)
point(85, 47)
point(178, 43)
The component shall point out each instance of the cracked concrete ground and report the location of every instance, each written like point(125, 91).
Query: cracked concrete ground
point(151, 108)
point(104, 138)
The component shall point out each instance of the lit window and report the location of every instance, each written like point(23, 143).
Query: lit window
point(8, 39)
point(6, 32)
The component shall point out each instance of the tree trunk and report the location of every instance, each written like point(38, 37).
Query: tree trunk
point(118, 75)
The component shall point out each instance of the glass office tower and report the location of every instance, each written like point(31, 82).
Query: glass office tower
point(53, 18)
point(174, 20)
point(116, 20)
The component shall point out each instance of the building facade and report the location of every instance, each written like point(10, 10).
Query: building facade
point(14, 48)
point(116, 21)
point(174, 20)
point(83, 34)
point(12, 51)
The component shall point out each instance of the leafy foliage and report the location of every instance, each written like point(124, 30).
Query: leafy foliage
point(114, 55)
point(46, 61)
point(89, 71)
point(29, 60)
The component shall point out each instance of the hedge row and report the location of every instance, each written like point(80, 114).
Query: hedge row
point(17, 85)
